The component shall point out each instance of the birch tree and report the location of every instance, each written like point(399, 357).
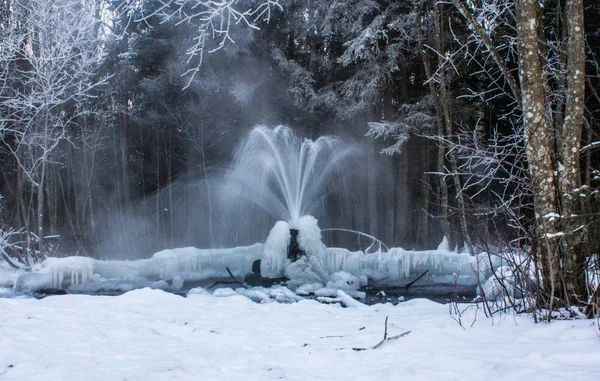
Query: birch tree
point(550, 97)
point(50, 59)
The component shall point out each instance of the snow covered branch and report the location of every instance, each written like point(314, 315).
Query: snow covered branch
point(214, 21)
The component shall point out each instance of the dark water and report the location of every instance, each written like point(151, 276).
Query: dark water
point(441, 293)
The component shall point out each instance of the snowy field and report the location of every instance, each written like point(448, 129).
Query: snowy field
point(153, 335)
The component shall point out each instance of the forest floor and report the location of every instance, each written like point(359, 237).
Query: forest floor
point(154, 335)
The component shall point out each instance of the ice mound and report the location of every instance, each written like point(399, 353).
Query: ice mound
point(309, 268)
point(309, 236)
point(274, 260)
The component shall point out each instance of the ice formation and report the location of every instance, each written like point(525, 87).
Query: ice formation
point(312, 266)
point(321, 270)
point(196, 264)
point(76, 269)
point(274, 259)
point(83, 274)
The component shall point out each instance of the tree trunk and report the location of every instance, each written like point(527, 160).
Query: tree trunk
point(569, 174)
point(423, 238)
point(402, 212)
point(40, 208)
point(442, 186)
point(445, 103)
point(537, 139)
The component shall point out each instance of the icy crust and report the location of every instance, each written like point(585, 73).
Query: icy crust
point(398, 266)
point(191, 263)
point(83, 274)
point(8, 276)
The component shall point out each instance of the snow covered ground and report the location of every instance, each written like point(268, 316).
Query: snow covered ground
point(153, 335)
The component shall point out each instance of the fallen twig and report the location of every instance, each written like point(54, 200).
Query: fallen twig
point(385, 338)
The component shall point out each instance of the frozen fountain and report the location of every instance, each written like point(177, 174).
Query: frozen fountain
point(288, 177)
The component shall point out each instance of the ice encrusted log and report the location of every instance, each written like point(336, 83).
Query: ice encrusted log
point(31, 281)
point(56, 273)
point(398, 266)
point(187, 263)
point(394, 267)
point(191, 263)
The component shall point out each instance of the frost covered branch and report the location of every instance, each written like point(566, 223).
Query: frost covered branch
point(415, 118)
point(214, 21)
